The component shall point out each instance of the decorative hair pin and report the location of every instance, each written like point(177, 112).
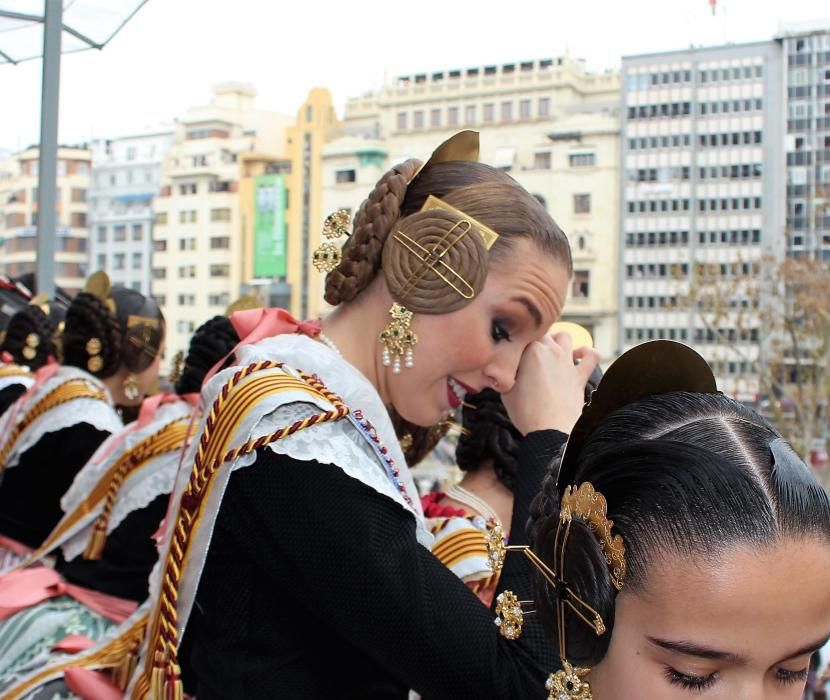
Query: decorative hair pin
point(99, 285)
point(588, 505)
point(93, 348)
point(328, 256)
point(488, 235)
point(32, 343)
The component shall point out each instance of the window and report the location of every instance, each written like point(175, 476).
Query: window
point(489, 113)
point(183, 326)
point(506, 111)
point(220, 270)
point(544, 107)
point(102, 234)
point(220, 214)
point(161, 218)
point(470, 114)
point(118, 261)
point(524, 110)
point(342, 177)
point(582, 160)
point(188, 188)
point(435, 118)
point(138, 232)
point(452, 116)
point(119, 233)
point(186, 216)
point(159, 273)
point(187, 271)
point(160, 299)
point(582, 203)
point(220, 243)
point(418, 119)
point(187, 244)
point(78, 195)
point(187, 299)
point(402, 121)
point(581, 287)
point(160, 246)
point(131, 154)
point(102, 262)
point(222, 299)
point(542, 160)
point(136, 261)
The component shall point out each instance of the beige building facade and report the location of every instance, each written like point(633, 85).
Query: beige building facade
point(18, 216)
point(199, 248)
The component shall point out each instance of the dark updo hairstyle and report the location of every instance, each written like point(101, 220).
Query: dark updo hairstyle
point(211, 342)
point(131, 335)
point(30, 322)
point(684, 474)
point(488, 435)
point(487, 194)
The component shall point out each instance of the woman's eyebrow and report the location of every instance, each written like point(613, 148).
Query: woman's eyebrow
point(808, 649)
point(692, 649)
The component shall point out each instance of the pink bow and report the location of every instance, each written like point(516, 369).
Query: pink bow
point(252, 325)
point(25, 588)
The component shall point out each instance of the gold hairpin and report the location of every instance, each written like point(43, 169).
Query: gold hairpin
point(327, 256)
point(136, 320)
point(510, 615)
point(488, 235)
point(32, 343)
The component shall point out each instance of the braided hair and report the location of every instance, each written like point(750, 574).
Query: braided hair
point(29, 331)
point(489, 195)
point(212, 341)
point(89, 316)
point(488, 435)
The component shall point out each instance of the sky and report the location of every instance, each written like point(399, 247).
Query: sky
point(168, 57)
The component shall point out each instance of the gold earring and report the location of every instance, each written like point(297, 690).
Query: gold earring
point(130, 385)
point(328, 256)
point(510, 617)
point(568, 684)
point(30, 349)
point(93, 349)
point(398, 339)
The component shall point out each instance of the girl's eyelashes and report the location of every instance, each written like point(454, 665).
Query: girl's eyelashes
point(499, 332)
point(690, 682)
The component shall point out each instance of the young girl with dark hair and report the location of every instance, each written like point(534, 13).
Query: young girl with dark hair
point(105, 540)
point(112, 344)
point(296, 561)
point(684, 548)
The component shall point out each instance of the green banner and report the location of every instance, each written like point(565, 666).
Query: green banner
point(269, 226)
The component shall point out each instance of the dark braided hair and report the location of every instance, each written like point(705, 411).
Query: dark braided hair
point(89, 316)
point(212, 341)
point(30, 321)
point(488, 435)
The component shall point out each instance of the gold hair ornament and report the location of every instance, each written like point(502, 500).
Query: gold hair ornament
point(327, 256)
point(93, 348)
point(177, 367)
point(510, 616)
point(98, 284)
point(32, 343)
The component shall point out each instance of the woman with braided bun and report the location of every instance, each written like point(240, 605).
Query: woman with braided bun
point(104, 541)
point(296, 561)
point(30, 341)
point(112, 344)
point(683, 546)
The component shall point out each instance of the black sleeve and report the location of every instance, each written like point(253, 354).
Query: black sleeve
point(30, 493)
point(353, 558)
point(9, 395)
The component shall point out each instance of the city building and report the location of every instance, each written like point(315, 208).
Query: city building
point(551, 123)
point(198, 241)
point(18, 215)
point(125, 179)
point(702, 183)
point(806, 51)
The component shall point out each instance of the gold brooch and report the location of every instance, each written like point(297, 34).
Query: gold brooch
point(328, 256)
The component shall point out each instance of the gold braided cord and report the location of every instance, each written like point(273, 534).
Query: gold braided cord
point(119, 654)
point(15, 371)
point(168, 439)
point(160, 677)
point(68, 391)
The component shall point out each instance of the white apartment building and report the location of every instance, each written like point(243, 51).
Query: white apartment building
point(125, 180)
point(702, 183)
point(198, 245)
point(551, 123)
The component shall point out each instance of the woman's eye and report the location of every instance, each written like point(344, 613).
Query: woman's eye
point(499, 332)
point(690, 682)
point(786, 677)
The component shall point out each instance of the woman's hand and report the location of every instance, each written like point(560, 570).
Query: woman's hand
point(550, 385)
